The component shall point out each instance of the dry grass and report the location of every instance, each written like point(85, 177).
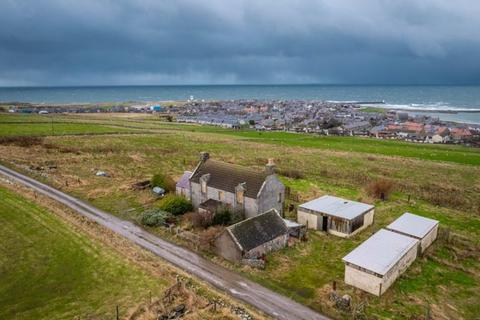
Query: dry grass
point(380, 189)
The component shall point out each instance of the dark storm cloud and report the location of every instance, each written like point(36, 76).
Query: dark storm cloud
point(186, 41)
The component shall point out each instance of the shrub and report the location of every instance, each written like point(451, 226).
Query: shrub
point(223, 216)
point(291, 173)
point(380, 188)
point(207, 238)
point(155, 218)
point(174, 204)
point(163, 181)
point(200, 220)
point(21, 141)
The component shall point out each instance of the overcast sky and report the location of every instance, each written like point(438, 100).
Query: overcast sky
point(95, 42)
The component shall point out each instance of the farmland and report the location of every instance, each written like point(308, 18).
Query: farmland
point(441, 182)
point(51, 271)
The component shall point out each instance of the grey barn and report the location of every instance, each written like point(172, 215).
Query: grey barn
point(252, 238)
point(243, 190)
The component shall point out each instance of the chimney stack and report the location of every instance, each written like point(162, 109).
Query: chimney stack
point(204, 156)
point(270, 167)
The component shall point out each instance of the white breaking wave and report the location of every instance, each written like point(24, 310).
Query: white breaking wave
point(427, 107)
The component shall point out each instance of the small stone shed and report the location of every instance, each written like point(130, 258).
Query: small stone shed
point(375, 264)
point(418, 227)
point(335, 215)
point(252, 238)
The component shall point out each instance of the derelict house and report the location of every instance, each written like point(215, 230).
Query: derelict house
point(241, 189)
point(337, 216)
point(379, 261)
point(423, 229)
point(252, 238)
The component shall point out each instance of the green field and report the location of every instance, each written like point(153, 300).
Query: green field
point(50, 271)
point(441, 181)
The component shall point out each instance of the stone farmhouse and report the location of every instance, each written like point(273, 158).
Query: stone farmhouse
point(242, 190)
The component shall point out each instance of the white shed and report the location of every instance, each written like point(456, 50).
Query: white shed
point(418, 227)
point(335, 215)
point(375, 264)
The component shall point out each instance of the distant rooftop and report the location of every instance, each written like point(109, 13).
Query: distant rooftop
point(338, 207)
point(412, 224)
point(380, 252)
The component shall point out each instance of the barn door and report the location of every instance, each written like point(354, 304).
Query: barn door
point(324, 223)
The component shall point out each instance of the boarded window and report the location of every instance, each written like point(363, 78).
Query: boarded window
point(204, 186)
point(221, 196)
point(239, 196)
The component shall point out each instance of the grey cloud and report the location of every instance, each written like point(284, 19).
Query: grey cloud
point(55, 42)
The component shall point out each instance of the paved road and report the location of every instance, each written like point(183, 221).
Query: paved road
point(235, 285)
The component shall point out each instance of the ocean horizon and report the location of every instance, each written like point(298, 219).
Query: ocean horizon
point(459, 103)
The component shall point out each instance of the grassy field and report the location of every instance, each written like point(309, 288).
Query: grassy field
point(442, 182)
point(49, 271)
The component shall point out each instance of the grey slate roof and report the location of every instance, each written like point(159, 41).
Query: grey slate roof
point(381, 252)
point(338, 207)
point(411, 224)
point(227, 176)
point(255, 231)
point(184, 180)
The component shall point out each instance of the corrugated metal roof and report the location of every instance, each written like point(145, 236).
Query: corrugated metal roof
point(292, 224)
point(338, 207)
point(412, 224)
point(380, 252)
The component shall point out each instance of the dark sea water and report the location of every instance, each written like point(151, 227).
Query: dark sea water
point(461, 102)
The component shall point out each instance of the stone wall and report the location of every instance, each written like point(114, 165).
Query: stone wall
point(273, 245)
point(227, 248)
point(269, 195)
point(249, 207)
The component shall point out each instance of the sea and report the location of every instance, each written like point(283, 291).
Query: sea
point(457, 103)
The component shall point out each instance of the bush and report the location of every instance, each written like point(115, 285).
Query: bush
point(223, 216)
point(291, 173)
point(174, 204)
point(21, 141)
point(200, 220)
point(162, 181)
point(155, 218)
point(380, 188)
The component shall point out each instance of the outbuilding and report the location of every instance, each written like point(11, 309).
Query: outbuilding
point(253, 238)
point(375, 264)
point(421, 228)
point(335, 215)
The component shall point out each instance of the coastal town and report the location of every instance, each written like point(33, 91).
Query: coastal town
point(366, 119)
point(329, 118)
